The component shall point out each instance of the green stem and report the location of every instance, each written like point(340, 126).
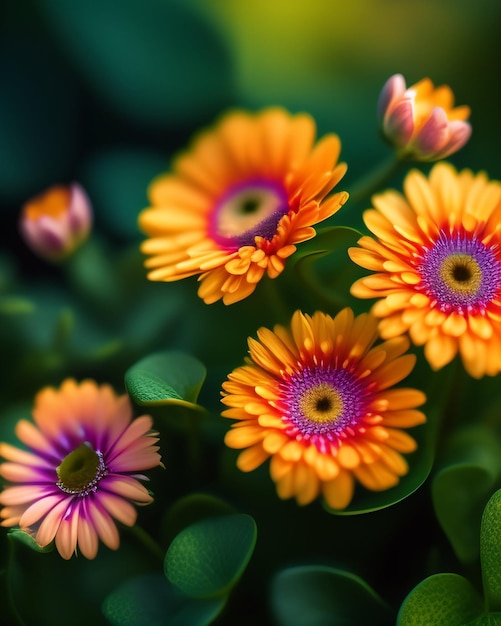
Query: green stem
point(147, 541)
point(8, 582)
point(375, 179)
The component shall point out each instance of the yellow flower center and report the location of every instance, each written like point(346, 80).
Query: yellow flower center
point(80, 471)
point(52, 203)
point(461, 273)
point(321, 404)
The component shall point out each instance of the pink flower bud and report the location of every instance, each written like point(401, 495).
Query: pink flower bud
point(420, 121)
point(56, 222)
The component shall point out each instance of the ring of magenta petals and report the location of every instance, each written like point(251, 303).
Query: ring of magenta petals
point(265, 228)
point(351, 392)
point(447, 299)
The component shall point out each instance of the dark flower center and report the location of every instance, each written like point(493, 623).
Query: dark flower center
point(249, 210)
point(81, 470)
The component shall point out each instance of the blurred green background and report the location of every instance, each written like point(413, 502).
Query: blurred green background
point(105, 91)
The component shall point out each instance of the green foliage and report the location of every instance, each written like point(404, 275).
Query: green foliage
point(26, 539)
point(461, 488)
point(440, 600)
point(206, 559)
point(150, 599)
point(490, 551)
point(315, 595)
point(166, 378)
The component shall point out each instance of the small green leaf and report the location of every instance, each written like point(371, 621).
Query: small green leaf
point(320, 595)
point(150, 599)
point(460, 490)
point(440, 600)
point(490, 551)
point(207, 558)
point(166, 378)
point(27, 540)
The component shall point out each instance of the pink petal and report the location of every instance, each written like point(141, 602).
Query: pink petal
point(393, 89)
point(87, 538)
point(118, 507)
point(40, 508)
point(433, 135)
point(50, 524)
point(11, 453)
point(459, 133)
point(22, 473)
point(128, 488)
point(137, 429)
point(399, 126)
point(104, 526)
point(24, 494)
point(67, 533)
point(79, 213)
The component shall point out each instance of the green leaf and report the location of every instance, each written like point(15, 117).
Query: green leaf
point(440, 600)
point(26, 539)
point(460, 490)
point(491, 619)
point(151, 599)
point(207, 558)
point(490, 551)
point(191, 509)
point(166, 378)
point(321, 596)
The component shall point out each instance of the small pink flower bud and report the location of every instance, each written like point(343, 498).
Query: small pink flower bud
point(56, 222)
point(420, 121)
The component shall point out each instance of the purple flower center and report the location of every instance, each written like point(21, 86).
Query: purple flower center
point(81, 470)
point(248, 210)
point(460, 273)
point(322, 405)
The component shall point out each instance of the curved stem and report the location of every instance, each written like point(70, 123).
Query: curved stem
point(147, 541)
point(375, 179)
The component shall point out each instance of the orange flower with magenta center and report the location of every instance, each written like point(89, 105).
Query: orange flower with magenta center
point(318, 400)
point(81, 470)
point(436, 254)
point(235, 207)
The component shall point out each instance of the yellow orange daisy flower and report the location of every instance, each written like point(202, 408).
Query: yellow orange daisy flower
point(234, 207)
point(437, 258)
point(318, 399)
point(81, 470)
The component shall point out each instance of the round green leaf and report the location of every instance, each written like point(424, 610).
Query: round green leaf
point(166, 378)
point(207, 558)
point(460, 490)
point(191, 509)
point(320, 595)
point(490, 551)
point(26, 539)
point(150, 599)
point(440, 600)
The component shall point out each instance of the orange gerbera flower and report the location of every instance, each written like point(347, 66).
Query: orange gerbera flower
point(318, 400)
point(81, 469)
point(234, 208)
point(438, 261)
